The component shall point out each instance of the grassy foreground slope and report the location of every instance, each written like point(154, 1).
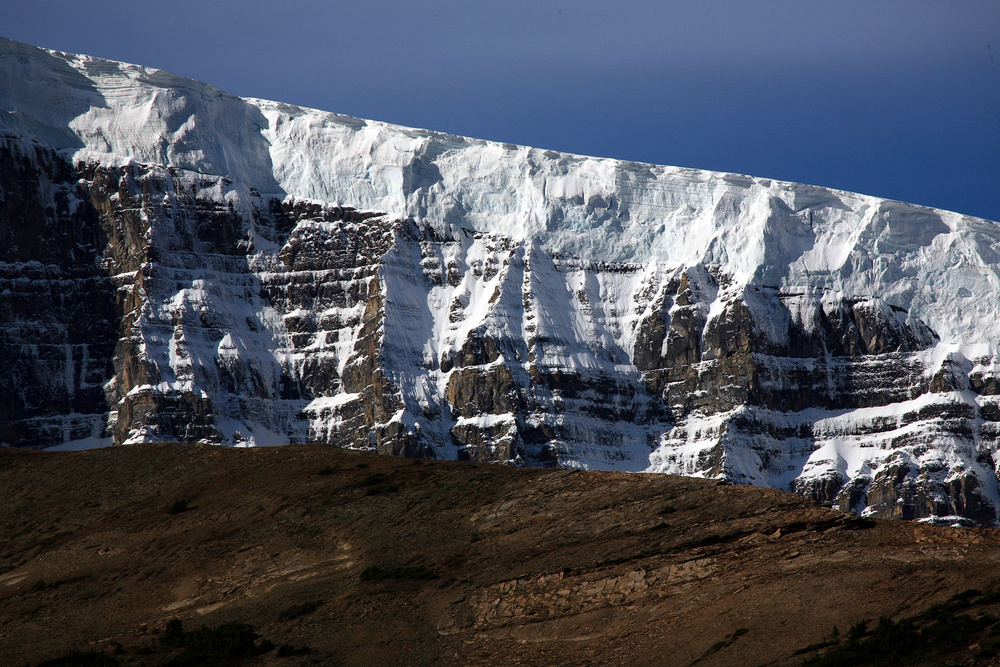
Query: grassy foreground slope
point(339, 557)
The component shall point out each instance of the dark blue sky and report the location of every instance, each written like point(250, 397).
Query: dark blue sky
point(896, 99)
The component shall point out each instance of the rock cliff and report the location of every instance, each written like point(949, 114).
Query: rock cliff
point(178, 264)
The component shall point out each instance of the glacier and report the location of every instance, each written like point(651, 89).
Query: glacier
point(261, 273)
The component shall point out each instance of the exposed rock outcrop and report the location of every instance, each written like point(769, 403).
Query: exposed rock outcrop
point(227, 273)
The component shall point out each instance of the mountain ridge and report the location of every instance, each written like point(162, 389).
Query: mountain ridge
point(266, 273)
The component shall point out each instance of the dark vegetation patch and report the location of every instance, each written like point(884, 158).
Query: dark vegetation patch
point(377, 483)
point(375, 573)
point(179, 506)
point(373, 479)
point(728, 641)
point(78, 658)
point(570, 543)
point(814, 647)
point(937, 633)
point(206, 646)
point(289, 651)
point(41, 584)
point(212, 645)
point(299, 610)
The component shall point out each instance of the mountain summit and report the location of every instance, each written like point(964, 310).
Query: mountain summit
point(181, 264)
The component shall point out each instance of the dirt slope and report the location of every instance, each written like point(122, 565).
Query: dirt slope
point(450, 563)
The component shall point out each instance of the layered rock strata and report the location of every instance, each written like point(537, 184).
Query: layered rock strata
point(177, 264)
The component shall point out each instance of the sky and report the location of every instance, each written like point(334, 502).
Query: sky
point(898, 99)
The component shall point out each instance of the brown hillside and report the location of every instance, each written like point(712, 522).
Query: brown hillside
point(421, 563)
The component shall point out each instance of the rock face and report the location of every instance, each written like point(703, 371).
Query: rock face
point(58, 323)
point(177, 264)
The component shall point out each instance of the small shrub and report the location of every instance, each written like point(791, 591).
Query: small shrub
point(988, 651)
point(375, 573)
point(299, 610)
point(892, 642)
point(373, 479)
point(571, 543)
point(375, 490)
point(728, 641)
point(209, 646)
point(376, 484)
point(325, 470)
point(814, 647)
point(288, 651)
point(966, 596)
point(667, 510)
point(178, 507)
point(173, 634)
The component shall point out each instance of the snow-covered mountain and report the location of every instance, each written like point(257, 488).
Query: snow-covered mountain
point(177, 263)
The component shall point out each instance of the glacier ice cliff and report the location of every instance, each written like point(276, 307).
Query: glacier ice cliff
point(177, 263)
